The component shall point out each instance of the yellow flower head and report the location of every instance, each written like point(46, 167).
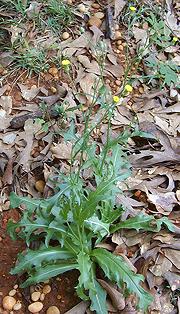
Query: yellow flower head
point(65, 62)
point(133, 9)
point(116, 99)
point(128, 88)
point(175, 39)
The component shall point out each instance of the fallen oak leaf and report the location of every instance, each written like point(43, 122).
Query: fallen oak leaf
point(62, 150)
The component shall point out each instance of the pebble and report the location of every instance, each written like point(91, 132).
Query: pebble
point(94, 21)
point(118, 83)
point(141, 89)
point(53, 71)
point(120, 47)
point(42, 297)
point(39, 185)
point(35, 296)
point(119, 42)
point(118, 35)
point(82, 8)
point(35, 307)
point(53, 89)
point(65, 35)
point(8, 303)
point(17, 306)
point(46, 289)
point(99, 15)
point(12, 293)
point(116, 27)
point(95, 6)
point(53, 310)
point(15, 286)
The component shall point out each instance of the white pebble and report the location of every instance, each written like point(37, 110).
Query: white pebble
point(65, 35)
point(35, 296)
point(12, 292)
point(46, 289)
point(35, 307)
point(82, 8)
point(53, 310)
point(17, 306)
point(8, 303)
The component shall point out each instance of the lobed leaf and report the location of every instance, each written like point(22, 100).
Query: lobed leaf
point(116, 269)
point(49, 271)
point(32, 258)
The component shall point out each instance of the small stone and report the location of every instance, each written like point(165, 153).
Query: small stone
point(17, 306)
point(95, 6)
point(118, 51)
point(35, 307)
point(116, 27)
point(120, 47)
point(39, 185)
point(46, 289)
point(118, 83)
point(53, 310)
point(141, 90)
point(81, 8)
point(42, 297)
point(8, 303)
point(65, 35)
point(53, 71)
point(53, 89)
point(119, 42)
point(118, 35)
point(94, 21)
point(59, 297)
point(99, 15)
point(15, 286)
point(173, 93)
point(35, 296)
point(12, 293)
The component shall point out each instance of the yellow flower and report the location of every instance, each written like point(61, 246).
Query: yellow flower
point(133, 9)
point(175, 39)
point(128, 88)
point(65, 62)
point(116, 99)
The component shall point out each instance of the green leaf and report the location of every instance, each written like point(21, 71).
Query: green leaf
point(97, 226)
point(98, 298)
point(49, 271)
point(167, 222)
point(138, 222)
point(30, 203)
point(35, 258)
point(116, 269)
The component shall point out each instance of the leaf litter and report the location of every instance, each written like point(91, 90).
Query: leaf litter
point(153, 187)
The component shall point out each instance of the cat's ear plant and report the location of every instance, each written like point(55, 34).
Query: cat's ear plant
point(78, 216)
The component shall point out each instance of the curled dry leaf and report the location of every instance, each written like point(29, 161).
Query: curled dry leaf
point(117, 298)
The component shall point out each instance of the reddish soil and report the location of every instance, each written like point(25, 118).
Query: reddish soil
point(62, 294)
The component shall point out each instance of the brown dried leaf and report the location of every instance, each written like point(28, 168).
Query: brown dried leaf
point(173, 256)
point(88, 84)
point(28, 94)
point(61, 150)
point(117, 298)
point(79, 308)
point(30, 128)
point(118, 7)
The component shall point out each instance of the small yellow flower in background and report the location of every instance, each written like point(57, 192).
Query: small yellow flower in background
point(65, 62)
point(116, 99)
point(175, 39)
point(133, 9)
point(128, 88)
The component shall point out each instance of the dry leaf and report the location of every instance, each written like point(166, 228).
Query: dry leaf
point(117, 298)
point(79, 308)
point(118, 7)
point(61, 150)
point(28, 94)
